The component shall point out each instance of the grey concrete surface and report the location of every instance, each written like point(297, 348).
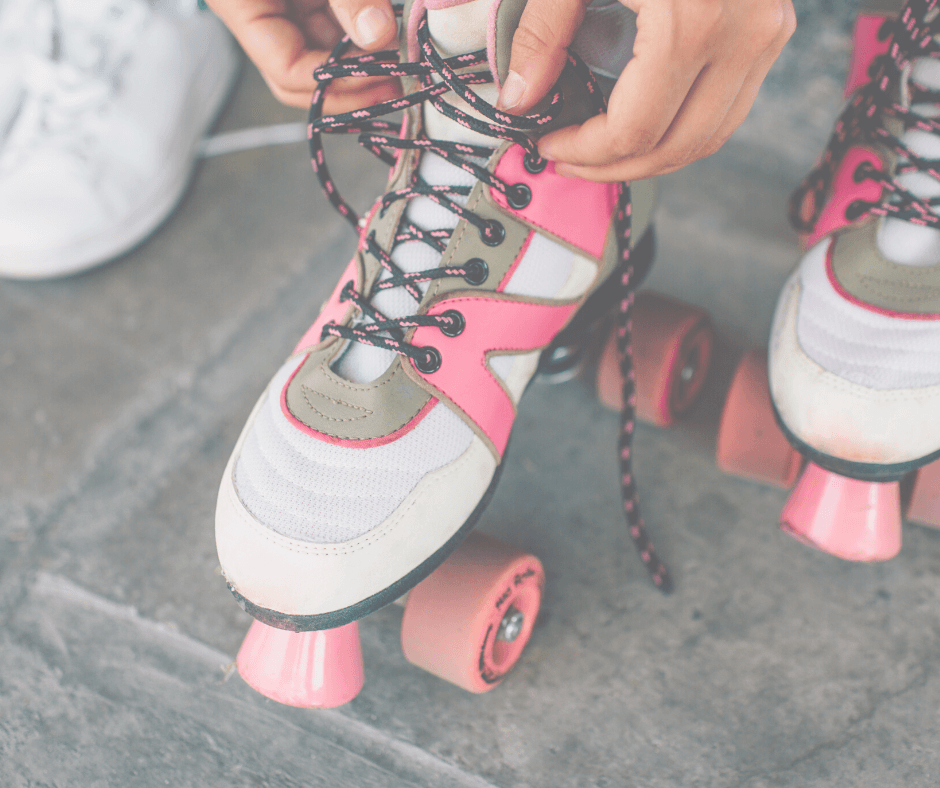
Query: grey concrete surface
point(123, 390)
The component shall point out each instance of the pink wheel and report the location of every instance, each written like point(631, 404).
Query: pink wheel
point(848, 518)
point(672, 348)
point(306, 669)
point(470, 620)
point(924, 504)
point(750, 444)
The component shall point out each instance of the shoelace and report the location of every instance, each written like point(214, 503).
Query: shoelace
point(381, 137)
point(863, 122)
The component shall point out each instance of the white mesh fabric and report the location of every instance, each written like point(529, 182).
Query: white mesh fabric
point(306, 489)
point(858, 345)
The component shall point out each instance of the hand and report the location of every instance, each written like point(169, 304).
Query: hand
point(288, 39)
point(697, 66)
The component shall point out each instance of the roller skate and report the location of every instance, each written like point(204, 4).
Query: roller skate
point(376, 446)
point(853, 371)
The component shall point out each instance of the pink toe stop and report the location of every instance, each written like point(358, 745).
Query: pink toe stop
point(851, 519)
point(306, 669)
point(924, 506)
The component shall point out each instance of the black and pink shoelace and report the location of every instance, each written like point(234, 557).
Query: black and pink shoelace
point(382, 139)
point(862, 122)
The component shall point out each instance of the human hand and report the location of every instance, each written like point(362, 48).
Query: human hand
point(696, 68)
point(288, 39)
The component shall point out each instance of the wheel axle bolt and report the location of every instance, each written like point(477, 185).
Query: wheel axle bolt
point(511, 626)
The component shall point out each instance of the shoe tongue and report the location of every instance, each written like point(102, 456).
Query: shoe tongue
point(457, 29)
point(460, 28)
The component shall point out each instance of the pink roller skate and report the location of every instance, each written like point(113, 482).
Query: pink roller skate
point(854, 355)
point(379, 442)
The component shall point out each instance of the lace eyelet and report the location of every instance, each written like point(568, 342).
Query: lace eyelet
point(430, 362)
point(534, 166)
point(856, 209)
point(459, 323)
point(518, 196)
point(861, 172)
point(493, 234)
point(477, 271)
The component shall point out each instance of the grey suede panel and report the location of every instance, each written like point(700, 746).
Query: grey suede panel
point(465, 243)
point(329, 404)
point(861, 268)
point(508, 14)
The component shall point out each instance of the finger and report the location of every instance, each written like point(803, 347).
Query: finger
point(539, 51)
point(643, 104)
point(366, 93)
point(370, 23)
point(749, 90)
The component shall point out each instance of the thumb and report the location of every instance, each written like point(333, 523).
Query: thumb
point(539, 51)
point(370, 23)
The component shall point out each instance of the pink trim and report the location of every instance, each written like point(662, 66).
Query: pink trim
point(333, 310)
point(865, 48)
point(414, 19)
point(837, 286)
point(491, 42)
point(515, 263)
point(491, 324)
point(573, 209)
point(368, 443)
point(845, 191)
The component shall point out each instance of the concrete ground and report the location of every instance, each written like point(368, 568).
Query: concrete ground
point(123, 391)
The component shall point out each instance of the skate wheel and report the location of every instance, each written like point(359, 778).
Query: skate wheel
point(924, 504)
point(672, 348)
point(306, 669)
point(750, 444)
point(470, 620)
point(848, 518)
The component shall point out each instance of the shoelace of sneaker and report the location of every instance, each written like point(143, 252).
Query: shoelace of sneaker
point(382, 137)
point(863, 122)
point(66, 87)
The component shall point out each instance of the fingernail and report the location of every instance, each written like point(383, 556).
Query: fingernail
point(371, 25)
point(545, 151)
point(512, 91)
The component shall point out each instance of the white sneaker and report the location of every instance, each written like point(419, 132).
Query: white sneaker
point(103, 144)
point(26, 28)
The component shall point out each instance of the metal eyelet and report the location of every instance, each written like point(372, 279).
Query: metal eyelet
point(856, 209)
point(430, 362)
point(459, 323)
point(534, 166)
point(493, 234)
point(477, 271)
point(861, 172)
point(518, 196)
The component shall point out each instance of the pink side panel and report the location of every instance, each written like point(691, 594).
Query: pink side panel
point(845, 191)
point(837, 286)
point(866, 46)
point(573, 209)
point(333, 310)
point(491, 324)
